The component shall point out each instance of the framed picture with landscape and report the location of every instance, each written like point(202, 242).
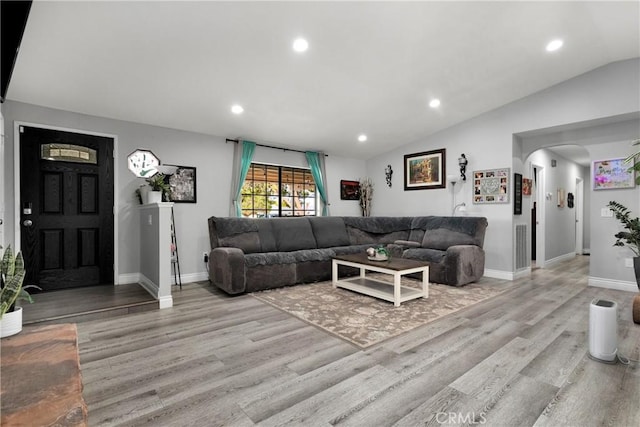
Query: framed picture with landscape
point(426, 170)
point(182, 185)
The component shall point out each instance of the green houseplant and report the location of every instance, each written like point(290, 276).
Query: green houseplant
point(12, 274)
point(630, 238)
point(158, 184)
point(634, 158)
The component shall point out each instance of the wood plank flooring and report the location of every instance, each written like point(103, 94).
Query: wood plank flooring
point(87, 303)
point(520, 359)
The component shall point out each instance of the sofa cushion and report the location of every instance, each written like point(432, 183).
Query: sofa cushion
point(423, 254)
point(329, 231)
point(377, 230)
point(292, 234)
point(443, 232)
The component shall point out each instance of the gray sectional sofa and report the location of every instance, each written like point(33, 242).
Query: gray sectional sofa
point(254, 254)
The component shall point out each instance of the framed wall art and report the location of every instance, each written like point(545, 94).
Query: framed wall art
point(517, 194)
point(526, 186)
point(182, 185)
point(613, 174)
point(426, 170)
point(491, 186)
point(349, 190)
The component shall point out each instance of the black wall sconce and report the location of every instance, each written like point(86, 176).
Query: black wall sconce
point(463, 162)
point(388, 172)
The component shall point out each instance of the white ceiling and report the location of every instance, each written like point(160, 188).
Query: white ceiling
point(372, 67)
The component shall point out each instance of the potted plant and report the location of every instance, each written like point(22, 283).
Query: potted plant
point(12, 274)
point(630, 238)
point(159, 187)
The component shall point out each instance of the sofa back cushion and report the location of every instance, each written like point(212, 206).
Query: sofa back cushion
point(377, 230)
point(329, 231)
point(249, 234)
point(442, 232)
point(293, 234)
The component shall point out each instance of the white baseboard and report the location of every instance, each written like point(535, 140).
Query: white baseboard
point(499, 274)
point(619, 285)
point(191, 277)
point(124, 279)
point(523, 272)
point(148, 284)
point(566, 257)
point(586, 251)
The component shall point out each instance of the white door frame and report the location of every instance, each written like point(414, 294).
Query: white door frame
point(579, 207)
point(16, 182)
point(541, 214)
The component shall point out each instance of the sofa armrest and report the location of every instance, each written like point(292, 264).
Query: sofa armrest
point(464, 264)
point(226, 269)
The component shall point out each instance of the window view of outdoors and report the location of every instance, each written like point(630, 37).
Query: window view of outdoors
point(271, 191)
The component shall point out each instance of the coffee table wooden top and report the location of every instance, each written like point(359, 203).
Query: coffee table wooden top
point(393, 263)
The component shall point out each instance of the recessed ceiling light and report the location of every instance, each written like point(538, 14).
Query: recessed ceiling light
point(237, 109)
point(300, 45)
point(554, 45)
point(362, 137)
point(435, 103)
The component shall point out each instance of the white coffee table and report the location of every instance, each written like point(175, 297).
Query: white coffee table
point(397, 267)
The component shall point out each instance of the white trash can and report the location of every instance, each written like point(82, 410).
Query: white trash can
point(603, 330)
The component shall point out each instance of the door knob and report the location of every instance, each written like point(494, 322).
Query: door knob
point(27, 223)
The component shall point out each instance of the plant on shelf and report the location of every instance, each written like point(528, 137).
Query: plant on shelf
point(157, 183)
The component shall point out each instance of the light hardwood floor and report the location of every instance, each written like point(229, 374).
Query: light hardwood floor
point(520, 359)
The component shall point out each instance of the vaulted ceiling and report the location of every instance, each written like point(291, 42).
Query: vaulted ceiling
point(371, 67)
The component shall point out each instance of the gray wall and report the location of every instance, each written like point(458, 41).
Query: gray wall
point(489, 142)
point(560, 231)
point(211, 156)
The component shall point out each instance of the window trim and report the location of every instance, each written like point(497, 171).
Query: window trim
point(301, 212)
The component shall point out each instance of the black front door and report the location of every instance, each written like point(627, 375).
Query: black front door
point(66, 195)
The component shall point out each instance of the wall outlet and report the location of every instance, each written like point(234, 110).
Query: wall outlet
point(205, 257)
point(628, 262)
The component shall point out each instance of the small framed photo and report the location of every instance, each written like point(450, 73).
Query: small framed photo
point(426, 170)
point(613, 174)
point(349, 190)
point(526, 186)
point(182, 185)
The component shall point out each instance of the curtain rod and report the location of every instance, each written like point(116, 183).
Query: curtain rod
point(270, 146)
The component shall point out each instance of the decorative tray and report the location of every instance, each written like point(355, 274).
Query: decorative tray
point(378, 258)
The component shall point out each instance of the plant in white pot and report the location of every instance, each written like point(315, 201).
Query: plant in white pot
point(159, 188)
point(630, 238)
point(12, 274)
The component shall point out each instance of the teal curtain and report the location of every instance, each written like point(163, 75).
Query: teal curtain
point(316, 163)
point(242, 163)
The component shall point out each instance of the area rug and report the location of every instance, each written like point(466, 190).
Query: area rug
point(364, 320)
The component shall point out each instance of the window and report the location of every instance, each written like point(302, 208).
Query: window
point(270, 191)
